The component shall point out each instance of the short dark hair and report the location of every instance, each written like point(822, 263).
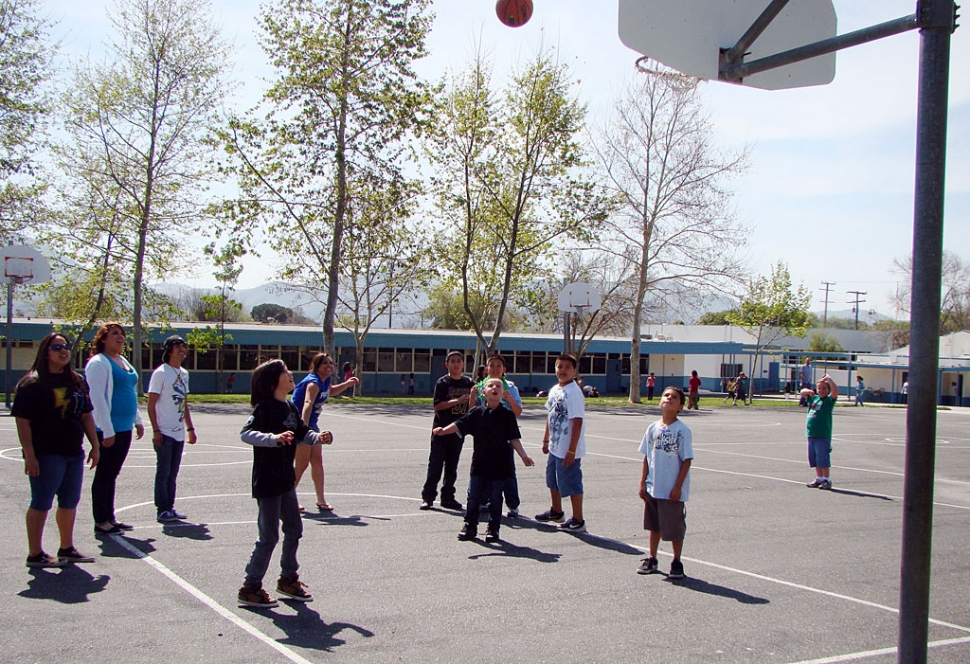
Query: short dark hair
point(265, 378)
point(568, 357)
point(455, 352)
point(496, 356)
point(680, 393)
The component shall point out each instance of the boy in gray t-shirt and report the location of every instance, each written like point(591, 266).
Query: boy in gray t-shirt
point(667, 449)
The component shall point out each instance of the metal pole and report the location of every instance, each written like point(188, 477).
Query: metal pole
point(6, 374)
point(760, 25)
point(937, 20)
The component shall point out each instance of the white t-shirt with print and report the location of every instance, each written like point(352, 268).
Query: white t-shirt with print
point(666, 448)
point(563, 405)
point(171, 385)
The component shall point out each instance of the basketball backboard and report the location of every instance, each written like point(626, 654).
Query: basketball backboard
point(579, 297)
point(21, 264)
point(688, 35)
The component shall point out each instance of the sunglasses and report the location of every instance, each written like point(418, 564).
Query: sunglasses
point(57, 348)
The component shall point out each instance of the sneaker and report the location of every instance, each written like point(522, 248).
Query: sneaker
point(426, 505)
point(451, 504)
point(72, 555)
point(826, 485)
point(676, 570)
point(549, 515)
point(44, 560)
point(293, 589)
point(108, 529)
point(491, 534)
point(648, 566)
point(167, 516)
point(257, 597)
point(816, 484)
point(178, 515)
point(573, 526)
point(122, 526)
point(513, 514)
point(468, 533)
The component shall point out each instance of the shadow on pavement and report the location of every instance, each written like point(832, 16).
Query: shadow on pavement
point(505, 548)
point(68, 585)
point(702, 586)
point(193, 531)
point(860, 494)
point(307, 630)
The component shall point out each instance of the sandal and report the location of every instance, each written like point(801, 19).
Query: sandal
point(44, 560)
point(325, 507)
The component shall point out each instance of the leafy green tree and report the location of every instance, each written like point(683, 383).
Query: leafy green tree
point(771, 309)
point(277, 312)
point(715, 318)
point(446, 311)
point(508, 183)
point(674, 222)
point(895, 333)
point(137, 146)
point(25, 68)
point(337, 120)
point(822, 343)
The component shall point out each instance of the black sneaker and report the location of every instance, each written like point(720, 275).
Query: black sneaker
point(72, 555)
point(451, 504)
point(44, 560)
point(122, 526)
point(109, 529)
point(426, 505)
point(293, 589)
point(549, 515)
point(468, 533)
point(491, 534)
point(256, 597)
point(648, 566)
point(816, 484)
point(513, 513)
point(676, 570)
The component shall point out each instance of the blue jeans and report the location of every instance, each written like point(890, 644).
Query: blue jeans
point(61, 476)
point(481, 489)
point(511, 488)
point(168, 458)
point(271, 511)
point(445, 453)
point(106, 475)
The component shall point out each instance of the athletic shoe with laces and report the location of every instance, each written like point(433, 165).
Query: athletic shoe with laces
point(72, 555)
point(468, 533)
point(167, 516)
point(826, 485)
point(549, 515)
point(256, 597)
point(816, 484)
point(491, 534)
point(451, 504)
point(648, 566)
point(426, 505)
point(293, 588)
point(513, 514)
point(178, 515)
point(44, 560)
point(573, 526)
point(676, 570)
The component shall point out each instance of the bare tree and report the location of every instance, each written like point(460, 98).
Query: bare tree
point(955, 297)
point(674, 223)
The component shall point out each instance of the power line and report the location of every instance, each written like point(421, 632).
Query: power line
point(855, 307)
point(825, 315)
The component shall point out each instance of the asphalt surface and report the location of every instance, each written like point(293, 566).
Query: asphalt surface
point(776, 572)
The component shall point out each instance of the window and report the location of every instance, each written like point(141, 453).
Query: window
point(403, 362)
point(520, 362)
point(206, 361)
point(550, 363)
point(249, 357)
point(422, 360)
point(385, 361)
point(230, 358)
point(538, 363)
point(599, 363)
point(586, 365)
point(370, 361)
point(291, 357)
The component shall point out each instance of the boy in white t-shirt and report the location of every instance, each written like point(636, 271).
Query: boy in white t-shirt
point(565, 443)
point(667, 449)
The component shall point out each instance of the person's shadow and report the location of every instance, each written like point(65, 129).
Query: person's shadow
point(504, 548)
point(307, 630)
point(71, 584)
point(701, 586)
point(193, 531)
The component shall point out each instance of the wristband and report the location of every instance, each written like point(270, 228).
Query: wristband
point(191, 429)
point(571, 452)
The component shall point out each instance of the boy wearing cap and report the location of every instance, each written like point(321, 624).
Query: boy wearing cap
point(168, 411)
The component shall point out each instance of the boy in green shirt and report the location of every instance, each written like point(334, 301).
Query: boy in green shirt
point(818, 429)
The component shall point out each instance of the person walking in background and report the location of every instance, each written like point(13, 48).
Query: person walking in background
point(309, 396)
point(651, 384)
point(52, 409)
point(860, 389)
point(168, 412)
point(740, 391)
point(411, 384)
point(230, 381)
point(347, 370)
point(807, 376)
point(114, 395)
point(694, 385)
point(905, 391)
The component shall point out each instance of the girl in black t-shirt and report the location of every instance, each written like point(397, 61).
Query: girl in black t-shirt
point(53, 413)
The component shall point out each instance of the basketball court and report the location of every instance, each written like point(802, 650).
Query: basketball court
point(776, 572)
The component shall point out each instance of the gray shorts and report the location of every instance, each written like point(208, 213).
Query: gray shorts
point(667, 517)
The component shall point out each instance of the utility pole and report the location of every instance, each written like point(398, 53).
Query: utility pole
point(857, 302)
point(825, 315)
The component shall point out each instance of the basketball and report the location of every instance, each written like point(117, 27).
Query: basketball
point(514, 13)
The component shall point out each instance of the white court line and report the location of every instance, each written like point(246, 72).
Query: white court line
point(211, 603)
point(856, 656)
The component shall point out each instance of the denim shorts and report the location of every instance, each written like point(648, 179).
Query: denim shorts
point(61, 476)
point(819, 451)
point(567, 480)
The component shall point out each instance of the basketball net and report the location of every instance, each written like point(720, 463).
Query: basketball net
point(647, 65)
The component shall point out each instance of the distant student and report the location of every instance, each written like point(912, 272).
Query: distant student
point(818, 430)
point(273, 430)
point(694, 395)
point(565, 443)
point(651, 384)
point(495, 368)
point(451, 396)
point(495, 431)
point(860, 390)
point(667, 449)
point(739, 390)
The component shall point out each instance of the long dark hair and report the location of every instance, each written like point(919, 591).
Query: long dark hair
point(265, 379)
point(40, 370)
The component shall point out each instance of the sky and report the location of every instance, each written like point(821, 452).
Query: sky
point(829, 189)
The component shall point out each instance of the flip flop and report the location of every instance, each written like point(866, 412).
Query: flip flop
point(325, 507)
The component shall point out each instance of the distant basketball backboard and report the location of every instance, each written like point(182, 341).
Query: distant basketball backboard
point(579, 297)
point(688, 35)
point(22, 264)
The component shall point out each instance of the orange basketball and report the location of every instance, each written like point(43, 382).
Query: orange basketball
point(514, 13)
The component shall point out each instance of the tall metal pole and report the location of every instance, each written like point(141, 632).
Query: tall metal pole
point(8, 371)
point(937, 20)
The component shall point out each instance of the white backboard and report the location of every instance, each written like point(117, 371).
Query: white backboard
point(22, 264)
point(579, 297)
point(687, 35)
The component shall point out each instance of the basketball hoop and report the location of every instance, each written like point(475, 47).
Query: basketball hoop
point(647, 65)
